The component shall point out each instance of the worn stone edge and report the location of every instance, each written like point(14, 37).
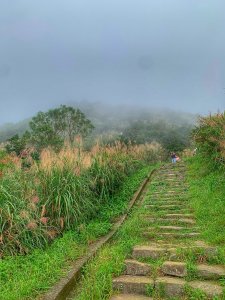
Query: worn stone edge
point(66, 284)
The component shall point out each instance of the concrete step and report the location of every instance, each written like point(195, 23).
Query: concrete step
point(153, 252)
point(179, 215)
point(132, 284)
point(210, 271)
point(166, 206)
point(171, 228)
point(174, 211)
point(136, 268)
point(173, 268)
point(156, 251)
point(166, 199)
point(211, 289)
point(166, 192)
point(149, 234)
point(170, 220)
point(179, 269)
point(175, 287)
point(130, 297)
point(166, 202)
point(169, 287)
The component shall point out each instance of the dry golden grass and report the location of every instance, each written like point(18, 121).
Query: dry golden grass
point(80, 159)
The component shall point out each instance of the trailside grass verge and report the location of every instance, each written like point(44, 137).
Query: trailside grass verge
point(26, 277)
point(96, 283)
point(206, 196)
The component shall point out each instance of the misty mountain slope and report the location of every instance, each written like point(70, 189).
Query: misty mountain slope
point(10, 129)
point(112, 119)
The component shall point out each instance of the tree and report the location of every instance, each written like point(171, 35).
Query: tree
point(171, 137)
point(58, 125)
point(17, 144)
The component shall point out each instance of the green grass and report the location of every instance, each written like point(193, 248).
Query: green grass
point(98, 274)
point(25, 277)
point(206, 193)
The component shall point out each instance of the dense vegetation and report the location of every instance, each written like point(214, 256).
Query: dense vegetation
point(171, 137)
point(206, 177)
point(57, 197)
point(9, 130)
point(209, 137)
point(52, 129)
point(24, 277)
point(67, 198)
point(62, 191)
point(134, 124)
point(206, 195)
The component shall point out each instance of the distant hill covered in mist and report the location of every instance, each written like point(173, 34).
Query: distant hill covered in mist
point(111, 119)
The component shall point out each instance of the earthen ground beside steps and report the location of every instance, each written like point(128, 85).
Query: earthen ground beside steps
point(156, 270)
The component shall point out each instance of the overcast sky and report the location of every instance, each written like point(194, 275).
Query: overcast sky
point(166, 53)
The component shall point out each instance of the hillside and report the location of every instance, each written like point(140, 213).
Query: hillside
point(111, 119)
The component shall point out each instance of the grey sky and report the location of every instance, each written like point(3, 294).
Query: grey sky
point(166, 53)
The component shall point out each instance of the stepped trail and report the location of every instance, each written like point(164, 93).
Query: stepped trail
point(173, 262)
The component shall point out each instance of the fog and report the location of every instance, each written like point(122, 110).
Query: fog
point(152, 53)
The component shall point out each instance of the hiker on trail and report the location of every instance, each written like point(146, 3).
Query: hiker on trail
point(173, 157)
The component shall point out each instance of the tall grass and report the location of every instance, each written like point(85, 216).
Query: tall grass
point(207, 190)
point(209, 136)
point(206, 179)
point(63, 191)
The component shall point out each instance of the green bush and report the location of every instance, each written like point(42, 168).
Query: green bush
point(209, 137)
point(38, 204)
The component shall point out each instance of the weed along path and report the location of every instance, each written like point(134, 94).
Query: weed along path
point(169, 259)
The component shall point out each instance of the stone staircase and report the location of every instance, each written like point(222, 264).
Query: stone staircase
point(173, 262)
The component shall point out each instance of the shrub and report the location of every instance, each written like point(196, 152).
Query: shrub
point(209, 137)
point(62, 192)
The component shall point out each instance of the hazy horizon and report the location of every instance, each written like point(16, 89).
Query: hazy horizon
point(148, 53)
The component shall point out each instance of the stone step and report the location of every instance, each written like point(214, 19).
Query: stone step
point(164, 212)
point(170, 220)
point(166, 285)
point(161, 183)
point(166, 198)
point(130, 297)
point(173, 268)
point(182, 216)
point(166, 206)
point(171, 227)
point(170, 179)
point(153, 252)
point(163, 192)
point(179, 269)
point(170, 287)
point(171, 235)
point(166, 202)
point(210, 271)
point(132, 284)
point(211, 289)
point(166, 172)
point(136, 268)
point(161, 176)
point(169, 251)
point(175, 287)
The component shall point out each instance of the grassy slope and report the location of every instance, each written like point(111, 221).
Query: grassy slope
point(97, 275)
point(24, 277)
point(207, 192)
